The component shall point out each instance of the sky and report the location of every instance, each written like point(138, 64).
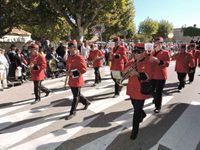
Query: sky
point(177, 12)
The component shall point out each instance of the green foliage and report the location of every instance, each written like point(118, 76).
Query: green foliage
point(148, 27)
point(11, 15)
point(142, 38)
point(191, 31)
point(164, 28)
point(117, 15)
point(53, 19)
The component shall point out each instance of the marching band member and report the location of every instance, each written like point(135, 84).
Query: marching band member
point(184, 61)
point(96, 56)
point(118, 58)
point(159, 73)
point(37, 66)
point(194, 53)
point(76, 66)
point(141, 73)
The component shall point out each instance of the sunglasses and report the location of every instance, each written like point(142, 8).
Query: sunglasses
point(138, 51)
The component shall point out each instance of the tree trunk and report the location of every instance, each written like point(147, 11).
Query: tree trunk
point(78, 34)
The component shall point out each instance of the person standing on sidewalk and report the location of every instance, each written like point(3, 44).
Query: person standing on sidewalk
point(76, 66)
point(159, 73)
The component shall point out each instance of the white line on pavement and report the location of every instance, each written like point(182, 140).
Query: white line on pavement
point(54, 139)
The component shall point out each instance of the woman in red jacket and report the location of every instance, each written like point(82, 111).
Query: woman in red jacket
point(96, 56)
point(118, 58)
point(142, 72)
point(160, 72)
point(184, 61)
point(37, 66)
point(76, 67)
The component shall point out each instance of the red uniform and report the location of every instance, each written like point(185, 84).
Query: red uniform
point(160, 70)
point(39, 61)
point(76, 62)
point(183, 62)
point(133, 87)
point(118, 63)
point(96, 56)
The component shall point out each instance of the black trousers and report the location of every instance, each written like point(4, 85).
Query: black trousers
point(97, 75)
point(157, 87)
point(138, 113)
point(38, 87)
point(118, 87)
point(181, 78)
point(77, 96)
point(191, 76)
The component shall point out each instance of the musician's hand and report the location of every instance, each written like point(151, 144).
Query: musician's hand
point(68, 73)
point(134, 72)
point(31, 65)
point(154, 59)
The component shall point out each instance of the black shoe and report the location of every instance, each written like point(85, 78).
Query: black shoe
point(36, 101)
point(157, 110)
point(133, 136)
point(153, 102)
point(115, 96)
point(47, 93)
point(86, 106)
point(93, 84)
point(142, 117)
point(70, 116)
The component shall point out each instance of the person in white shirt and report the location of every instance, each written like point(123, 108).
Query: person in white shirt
point(85, 48)
point(3, 67)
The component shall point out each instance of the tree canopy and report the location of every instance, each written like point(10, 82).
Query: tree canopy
point(191, 31)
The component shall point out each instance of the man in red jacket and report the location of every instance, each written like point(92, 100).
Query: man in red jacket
point(160, 72)
point(142, 73)
point(96, 56)
point(184, 63)
point(118, 58)
point(37, 66)
point(194, 53)
point(76, 67)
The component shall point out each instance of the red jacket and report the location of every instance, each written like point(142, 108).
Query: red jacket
point(133, 86)
point(40, 62)
point(183, 62)
point(96, 56)
point(76, 62)
point(195, 55)
point(160, 70)
point(118, 63)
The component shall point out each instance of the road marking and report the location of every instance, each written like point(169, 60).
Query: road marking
point(98, 106)
point(185, 132)
point(21, 132)
point(102, 142)
point(53, 140)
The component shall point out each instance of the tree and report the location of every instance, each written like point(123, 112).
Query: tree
point(191, 31)
point(119, 20)
point(11, 15)
point(164, 28)
point(148, 27)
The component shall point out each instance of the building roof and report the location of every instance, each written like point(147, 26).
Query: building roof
point(16, 31)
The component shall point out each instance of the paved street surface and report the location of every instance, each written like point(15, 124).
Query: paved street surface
point(106, 124)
